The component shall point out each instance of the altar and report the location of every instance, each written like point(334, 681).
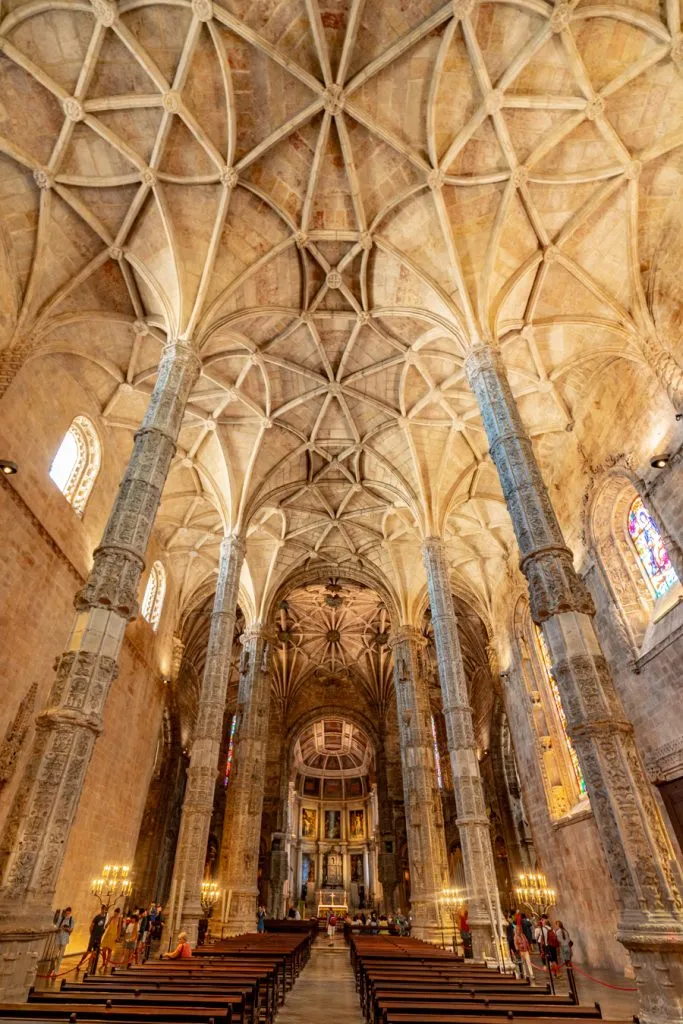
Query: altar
point(332, 899)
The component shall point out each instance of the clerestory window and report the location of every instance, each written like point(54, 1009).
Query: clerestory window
point(153, 600)
point(75, 467)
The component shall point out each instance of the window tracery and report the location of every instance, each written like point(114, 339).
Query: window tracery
point(76, 463)
point(153, 599)
point(653, 556)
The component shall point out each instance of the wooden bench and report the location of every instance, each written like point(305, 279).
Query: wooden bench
point(125, 1014)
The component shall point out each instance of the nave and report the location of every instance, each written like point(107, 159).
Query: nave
point(341, 463)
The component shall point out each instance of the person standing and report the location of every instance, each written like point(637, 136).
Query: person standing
point(130, 939)
point(112, 934)
point(523, 950)
point(143, 935)
point(261, 919)
point(565, 943)
point(65, 927)
point(331, 926)
point(97, 926)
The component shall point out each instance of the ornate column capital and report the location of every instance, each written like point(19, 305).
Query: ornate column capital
point(258, 631)
point(406, 634)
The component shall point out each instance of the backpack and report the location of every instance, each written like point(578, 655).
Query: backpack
point(333, 919)
point(552, 939)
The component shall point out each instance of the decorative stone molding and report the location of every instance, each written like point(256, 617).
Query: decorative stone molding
point(43, 178)
point(10, 747)
point(333, 99)
point(105, 12)
point(666, 762)
point(73, 109)
point(202, 10)
point(229, 177)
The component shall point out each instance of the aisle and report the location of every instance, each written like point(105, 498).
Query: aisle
point(325, 991)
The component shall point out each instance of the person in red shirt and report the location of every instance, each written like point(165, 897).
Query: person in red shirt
point(182, 951)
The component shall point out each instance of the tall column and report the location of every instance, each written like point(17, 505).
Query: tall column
point(40, 819)
point(637, 848)
point(424, 818)
point(483, 901)
point(387, 862)
point(206, 742)
point(242, 828)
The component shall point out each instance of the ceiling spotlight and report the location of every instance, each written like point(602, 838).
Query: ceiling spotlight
point(8, 468)
point(660, 461)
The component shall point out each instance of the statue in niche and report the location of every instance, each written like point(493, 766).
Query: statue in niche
point(333, 869)
point(15, 736)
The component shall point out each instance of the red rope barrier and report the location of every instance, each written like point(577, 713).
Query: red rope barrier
point(60, 975)
point(617, 988)
point(605, 984)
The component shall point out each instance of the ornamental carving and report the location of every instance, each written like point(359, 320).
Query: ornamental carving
point(15, 736)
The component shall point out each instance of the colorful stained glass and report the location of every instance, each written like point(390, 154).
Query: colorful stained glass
point(231, 750)
point(648, 543)
point(548, 666)
point(437, 756)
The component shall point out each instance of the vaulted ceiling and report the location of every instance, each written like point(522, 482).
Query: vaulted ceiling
point(333, 198)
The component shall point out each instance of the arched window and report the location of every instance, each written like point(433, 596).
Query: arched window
point(650, 549)
point(153, 600)
point(77, 463)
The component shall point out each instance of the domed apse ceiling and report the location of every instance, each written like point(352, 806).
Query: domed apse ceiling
point(333, 199)
point(333, 747)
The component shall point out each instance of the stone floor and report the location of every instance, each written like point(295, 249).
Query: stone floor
point(606, 989)
point(325, 991)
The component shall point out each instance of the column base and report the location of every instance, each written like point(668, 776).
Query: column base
point(656, 949)
point(20, 953)
point(427, 926)
point(242, 916)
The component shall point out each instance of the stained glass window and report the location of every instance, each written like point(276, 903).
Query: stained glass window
point(437, 756)
point(153, 600)
point(231, 751)
point(550, 676)
point(648, 543)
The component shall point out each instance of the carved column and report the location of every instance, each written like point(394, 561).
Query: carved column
point(206, 741)
point(242, 829)
point(637, 849)
point(47, 799)
point(387, 862)
point(424, 819)
point(473, 825)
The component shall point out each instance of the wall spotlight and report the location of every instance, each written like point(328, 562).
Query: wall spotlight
point(8, 468)
point(660, 461)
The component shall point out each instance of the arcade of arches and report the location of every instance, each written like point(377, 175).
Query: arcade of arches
point(342, 368)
